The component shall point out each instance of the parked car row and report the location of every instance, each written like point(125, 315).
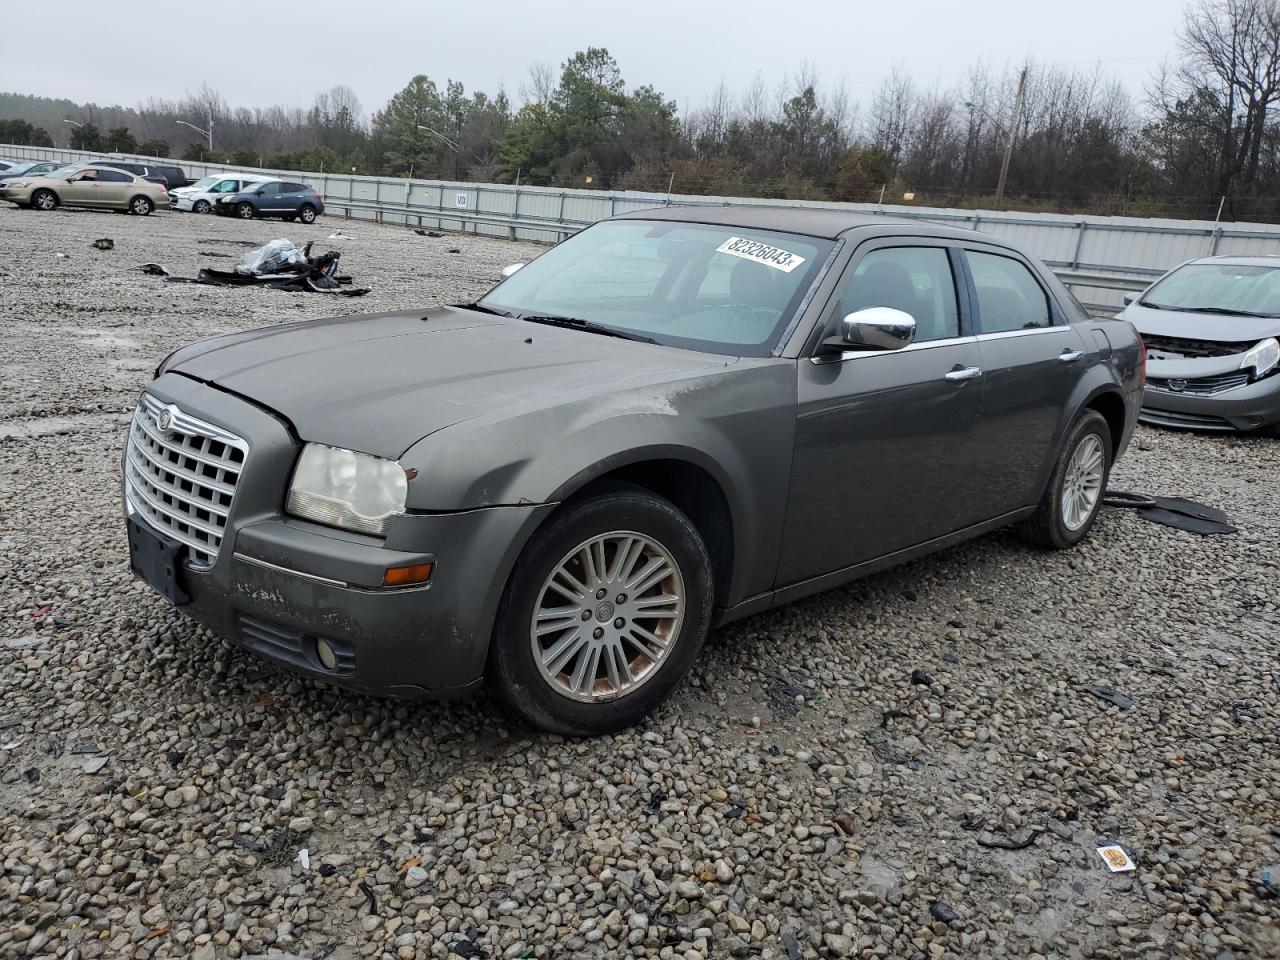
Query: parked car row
point(141, 188)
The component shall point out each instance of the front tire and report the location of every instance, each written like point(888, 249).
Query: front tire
point(201, 206)
point(44, 200)
point(604, 613)
point(1071, 502)
point(244, 210)
point(141, 206)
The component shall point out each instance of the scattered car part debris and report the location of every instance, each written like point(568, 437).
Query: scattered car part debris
point(106, 243)
point(1116, 858)
point(428, 233)
point(921, 679)
point(943, 911)
point(1177, 512)
point(1121, 700)
point(304, 858)
point(370, 896)
point(339, 235)
point(454, 250)
point(85, 746)
point(1004, 843)
point(1125, 499)
point(280, 265)
point(94, 764)
point(154, 269)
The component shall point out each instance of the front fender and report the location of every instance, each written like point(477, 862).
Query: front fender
point(737, 424)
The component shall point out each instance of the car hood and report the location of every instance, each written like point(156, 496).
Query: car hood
point(1200, 326)
point(380, 383)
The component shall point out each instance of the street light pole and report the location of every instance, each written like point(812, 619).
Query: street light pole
point(1013, 129)
point(204, 133)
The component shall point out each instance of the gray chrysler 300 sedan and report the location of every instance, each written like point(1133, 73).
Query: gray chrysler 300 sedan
point(673, 419)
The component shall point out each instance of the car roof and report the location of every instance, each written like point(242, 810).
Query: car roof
point(815, 221)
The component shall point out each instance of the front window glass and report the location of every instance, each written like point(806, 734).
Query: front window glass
point(227, 186)
point(722, 289)
point(204, 183)
point(1219, 288)
point(916, 280)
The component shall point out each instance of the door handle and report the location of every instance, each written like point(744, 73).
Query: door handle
point(1070, 356)
point(965, 373)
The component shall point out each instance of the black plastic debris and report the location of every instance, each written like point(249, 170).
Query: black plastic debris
point(428, 233)
point(1177, 512)
point(943, 911)
point(154, 269)
point(920, 678)
point(106, 243)
point(1121, 700)
point(791, 945)
point(1004, 843)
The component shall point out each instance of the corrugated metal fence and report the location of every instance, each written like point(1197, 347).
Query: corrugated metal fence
point(1099, 257)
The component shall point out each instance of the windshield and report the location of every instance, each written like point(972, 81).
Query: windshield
point(204, 183)
point(22, 167)
point(725, 290)
point(1225, 287)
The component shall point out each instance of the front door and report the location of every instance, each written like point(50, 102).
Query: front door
point(1031, 361)
point(883, 445)
point(83, 190)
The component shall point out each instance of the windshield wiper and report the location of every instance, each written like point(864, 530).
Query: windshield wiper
point(1224, 311)
point(587, 326)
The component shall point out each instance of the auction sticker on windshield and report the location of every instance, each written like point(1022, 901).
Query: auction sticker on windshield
point(761, 253)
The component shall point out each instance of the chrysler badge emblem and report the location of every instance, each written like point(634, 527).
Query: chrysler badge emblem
point(165, 420)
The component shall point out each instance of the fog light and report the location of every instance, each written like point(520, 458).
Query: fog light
point(328, 659)
point(407, 576)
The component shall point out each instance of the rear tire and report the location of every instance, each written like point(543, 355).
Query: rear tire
point(1071, 501)
point(44, 200)
point(604, 656)
point(201, 206)
point(245, 210)
point(307, 213)
point(141, 206)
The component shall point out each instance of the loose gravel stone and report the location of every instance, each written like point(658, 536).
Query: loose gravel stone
point(801, 795)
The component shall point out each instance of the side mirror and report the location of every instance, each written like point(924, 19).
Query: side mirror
point(874, 328)
point(510, 269)
point(1130, 297)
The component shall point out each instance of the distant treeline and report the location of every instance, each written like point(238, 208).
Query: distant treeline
point(1204, 129)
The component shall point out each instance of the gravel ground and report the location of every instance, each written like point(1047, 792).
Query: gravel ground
point(848, 776)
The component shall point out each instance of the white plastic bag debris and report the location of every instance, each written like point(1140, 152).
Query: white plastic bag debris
point(304, 858)
point(271, 258)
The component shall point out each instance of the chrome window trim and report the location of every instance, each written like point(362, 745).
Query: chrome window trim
point(922, 345)
point(1002, 334)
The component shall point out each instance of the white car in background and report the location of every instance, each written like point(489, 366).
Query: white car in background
point(201, 195)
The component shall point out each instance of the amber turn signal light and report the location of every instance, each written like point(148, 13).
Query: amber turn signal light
point(407, 576)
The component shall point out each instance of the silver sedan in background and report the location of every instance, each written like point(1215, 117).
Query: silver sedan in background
point(1212, 334)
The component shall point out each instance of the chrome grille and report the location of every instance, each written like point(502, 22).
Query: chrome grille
point(1201, 386)
point(183, 479)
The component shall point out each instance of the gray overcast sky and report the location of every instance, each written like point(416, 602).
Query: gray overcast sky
point(117, 55)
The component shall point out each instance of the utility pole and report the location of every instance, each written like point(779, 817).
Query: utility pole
point(1013, 129)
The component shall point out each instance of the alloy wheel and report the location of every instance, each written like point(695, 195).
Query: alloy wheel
point(1082, 482)
point(607, 616)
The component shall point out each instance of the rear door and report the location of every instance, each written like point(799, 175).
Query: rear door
point(1032, 360)
point(884, 439)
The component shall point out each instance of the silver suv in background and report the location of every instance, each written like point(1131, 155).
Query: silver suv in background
point(204, 193)
point(287, 199)
point(1212, 333)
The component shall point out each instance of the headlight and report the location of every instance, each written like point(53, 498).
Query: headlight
point(1262, 356)
point(342, 488)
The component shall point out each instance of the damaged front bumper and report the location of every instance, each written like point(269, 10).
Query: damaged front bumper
point(1209, 393)
point(310, 597)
